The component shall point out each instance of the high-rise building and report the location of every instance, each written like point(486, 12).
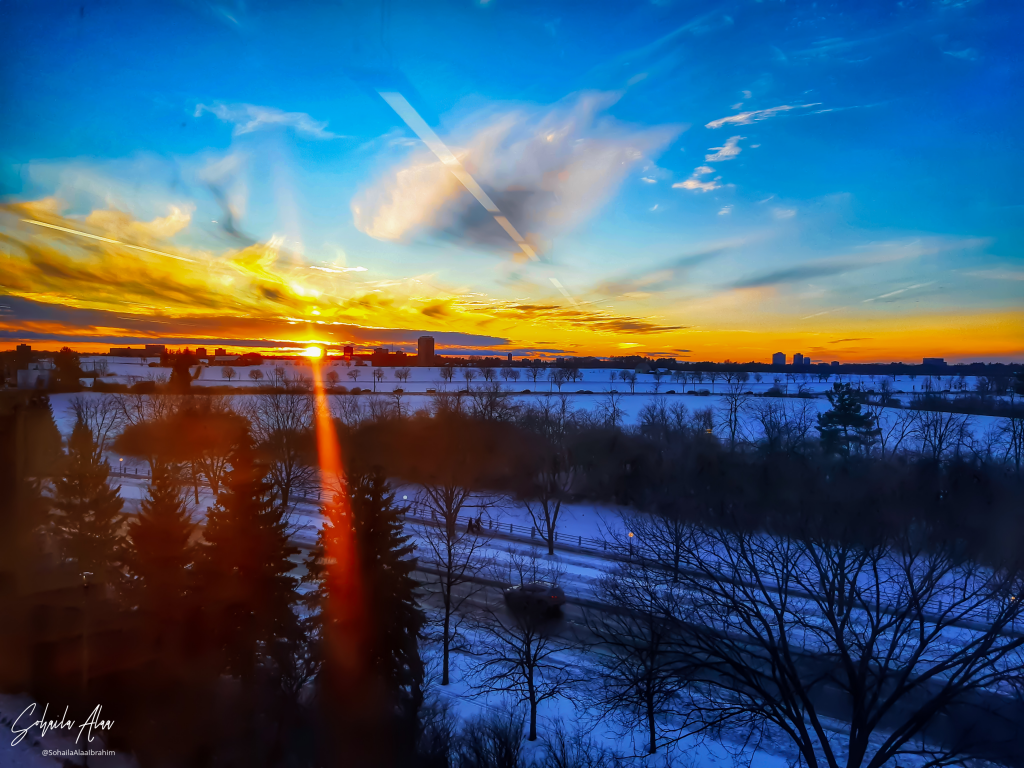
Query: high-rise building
point(200, 351)
point(834, 363)
point(798, 360)
point(425, 350)
point(807, 362)
point(220, 352)
point(347, 352)
point(510, 357)
point(779, 358)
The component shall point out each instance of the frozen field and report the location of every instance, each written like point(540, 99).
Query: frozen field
point(130, 370)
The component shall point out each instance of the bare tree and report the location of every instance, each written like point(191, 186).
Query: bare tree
point(282, 424)
point(1011, 430)
point(557, 377)
point(228, 372)
point(468, 374)
point(353, 374)
point(734, 400)
point(514, 374)
point(640, 671)
point(939, 433)
point(447, 374)
point(545, 489)
point(893, 425)
point(403, 374)
point(378, 376)
point(256, 375)
point(534, 372)
point(488, 374)
point(492, 403)
point(348, 409)
point(630, 378)
point(657, 375)
point(520, 658)
point(903, 634)
point(102, 415)
point(332, 378)
point(610, 409)
point(453, 555)
point(506, 372)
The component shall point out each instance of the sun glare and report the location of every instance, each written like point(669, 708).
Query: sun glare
point(313, 352)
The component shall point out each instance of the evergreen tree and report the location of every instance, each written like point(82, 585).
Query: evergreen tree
point(88, 519)
point(844, 428)
point(392, 620)
point(246, 567)
point(30, 450)
point(161, 551)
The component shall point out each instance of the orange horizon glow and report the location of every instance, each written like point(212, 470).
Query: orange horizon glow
point(260, 293)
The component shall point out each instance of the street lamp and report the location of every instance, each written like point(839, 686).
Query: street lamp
point(630, 545)
point(121, 465)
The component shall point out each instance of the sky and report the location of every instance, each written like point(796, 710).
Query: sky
point(703, 181)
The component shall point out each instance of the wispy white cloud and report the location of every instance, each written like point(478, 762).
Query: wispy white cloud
point(967, 54)
point(726, 152)
point(694, 182)
point(725, 210)
point(754, 116)
point(783, 213)
point(546, 168)
point(248, 118)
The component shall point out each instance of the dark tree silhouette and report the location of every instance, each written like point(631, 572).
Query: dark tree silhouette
point(844, 429)
point(66, 370)
point(161, 552)
point(88, 520)
point(390, 633)
point(246, 567)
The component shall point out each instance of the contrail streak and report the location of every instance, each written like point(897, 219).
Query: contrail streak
point(108, 240)
point(419, 126)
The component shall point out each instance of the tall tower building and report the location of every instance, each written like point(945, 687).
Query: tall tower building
point(779, 358)
point(798, 360)
point(425, 350)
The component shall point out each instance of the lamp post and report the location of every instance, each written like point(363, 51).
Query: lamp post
point(630, 545)
point(120, 464)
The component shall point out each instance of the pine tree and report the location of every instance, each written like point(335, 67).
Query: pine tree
point(161, 551)
point(246, 567)
point(88, 519)
point(392, 619)
point(844, 428)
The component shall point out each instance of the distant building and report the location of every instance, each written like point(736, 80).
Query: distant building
point(834, 363)
point(425, 350)
point(23, 348)
point(510, 357)
point(798, 360)
point(220, 352)
point(36, 376)
point(200, 351)
point(347, 352)
point(155, 350)
point(807, 362)
point(779, 358)
point(939, 361)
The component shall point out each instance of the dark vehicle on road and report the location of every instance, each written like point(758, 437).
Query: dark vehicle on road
point(537, 596)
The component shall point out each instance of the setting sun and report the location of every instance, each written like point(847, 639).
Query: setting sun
point(313, 352)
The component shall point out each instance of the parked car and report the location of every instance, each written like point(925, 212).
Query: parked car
point(538, 595)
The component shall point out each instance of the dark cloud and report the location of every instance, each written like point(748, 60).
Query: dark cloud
point(26, 319)
point(802, 272)
point(840, 341)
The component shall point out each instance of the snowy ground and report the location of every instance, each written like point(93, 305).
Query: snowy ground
point(128, 370)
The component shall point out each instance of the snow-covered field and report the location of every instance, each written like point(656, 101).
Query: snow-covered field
point(128, 370)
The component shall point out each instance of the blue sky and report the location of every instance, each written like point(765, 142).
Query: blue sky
point(718, 176)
